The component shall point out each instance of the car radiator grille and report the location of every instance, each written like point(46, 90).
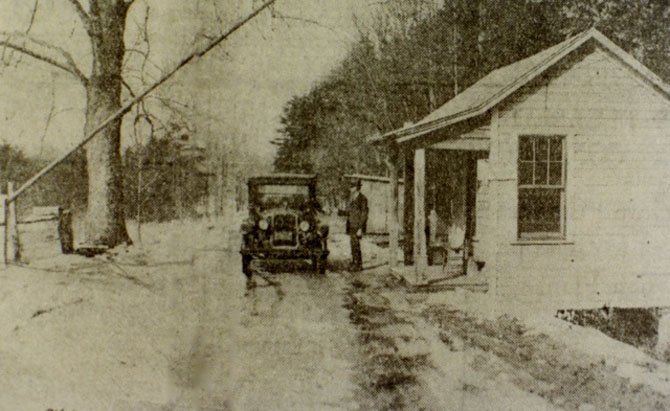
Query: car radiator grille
point(284, 230)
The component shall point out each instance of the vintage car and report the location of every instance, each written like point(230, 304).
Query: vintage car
point(283, 221)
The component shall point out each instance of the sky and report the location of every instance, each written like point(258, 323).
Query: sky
point(238, 91)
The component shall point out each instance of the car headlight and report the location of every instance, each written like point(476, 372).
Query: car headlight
point(304, 226)
point(263, 224)
point(247, 226)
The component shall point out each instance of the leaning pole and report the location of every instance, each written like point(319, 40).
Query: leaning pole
point(136, 99)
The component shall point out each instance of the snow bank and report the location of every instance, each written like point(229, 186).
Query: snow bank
point(340, 251)
point(86, 333)
point(628, 361)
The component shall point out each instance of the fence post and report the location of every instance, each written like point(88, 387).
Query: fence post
point(11, 248)
point(65, 231)
point(5, 231)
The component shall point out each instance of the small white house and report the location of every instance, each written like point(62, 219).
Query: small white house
point(556, 172)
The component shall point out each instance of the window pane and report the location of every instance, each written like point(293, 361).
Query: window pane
point(542, 153)
point(556, 149)
point(526, 172)
point(525, 148)
point(556, 173)
point(541, 172)
point(539, 210)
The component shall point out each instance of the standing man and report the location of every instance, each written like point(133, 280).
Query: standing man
point(357, 217)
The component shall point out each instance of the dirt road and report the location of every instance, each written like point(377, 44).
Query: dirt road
point(175, 329)
point(286, 344)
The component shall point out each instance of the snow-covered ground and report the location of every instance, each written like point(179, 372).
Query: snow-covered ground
point(170, 324)
point(497, 355)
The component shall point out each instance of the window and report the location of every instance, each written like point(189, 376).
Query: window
point(541, 187)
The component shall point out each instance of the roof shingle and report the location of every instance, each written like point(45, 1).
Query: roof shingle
point(500, 83)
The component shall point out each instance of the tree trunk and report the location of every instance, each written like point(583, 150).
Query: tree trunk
point(105, 221)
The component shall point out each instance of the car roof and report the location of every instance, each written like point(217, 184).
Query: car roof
point(283, 178)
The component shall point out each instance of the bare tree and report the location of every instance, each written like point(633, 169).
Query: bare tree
point(104, 23)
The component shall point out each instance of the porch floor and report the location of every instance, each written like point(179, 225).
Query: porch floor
point(436, 278)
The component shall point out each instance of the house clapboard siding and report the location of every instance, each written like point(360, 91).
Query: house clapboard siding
point(617, 205)
point(611, 244)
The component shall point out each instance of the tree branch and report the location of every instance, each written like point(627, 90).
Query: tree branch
point(30, 26)
point(39, 50)
point(83, 16)
point(32, 16)
point(125, 84)
point(50, 116)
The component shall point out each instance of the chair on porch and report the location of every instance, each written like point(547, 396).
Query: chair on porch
point(436, 242)
point(455, 252)
point(446, 247)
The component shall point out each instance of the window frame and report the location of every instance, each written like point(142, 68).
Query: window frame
point(542, 235)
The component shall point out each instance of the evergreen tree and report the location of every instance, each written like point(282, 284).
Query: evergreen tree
point(409, 63)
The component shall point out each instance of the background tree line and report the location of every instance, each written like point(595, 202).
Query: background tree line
point(413, 56)
point(167, 177)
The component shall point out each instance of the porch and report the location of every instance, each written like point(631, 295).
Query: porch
point(440, 209)
point(435, 278)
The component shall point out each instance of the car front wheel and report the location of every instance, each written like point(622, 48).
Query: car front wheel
point(246, 265)
point(319, 264)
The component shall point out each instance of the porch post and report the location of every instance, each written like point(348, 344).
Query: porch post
point(392, 211)
point(5, 231)
point(420, 253)
point(408, 207)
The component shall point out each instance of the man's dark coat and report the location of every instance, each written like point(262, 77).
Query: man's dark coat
point(357, 212)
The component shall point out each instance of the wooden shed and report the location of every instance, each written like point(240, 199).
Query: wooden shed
point(551, 177)
point(376, 190)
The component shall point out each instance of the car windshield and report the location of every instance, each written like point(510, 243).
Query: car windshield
point(281, 195)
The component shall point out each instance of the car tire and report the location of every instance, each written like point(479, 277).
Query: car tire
point(246, 265)
point(318, 266)
point(323, 263)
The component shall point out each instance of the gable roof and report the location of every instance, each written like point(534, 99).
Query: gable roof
point(501, 83)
